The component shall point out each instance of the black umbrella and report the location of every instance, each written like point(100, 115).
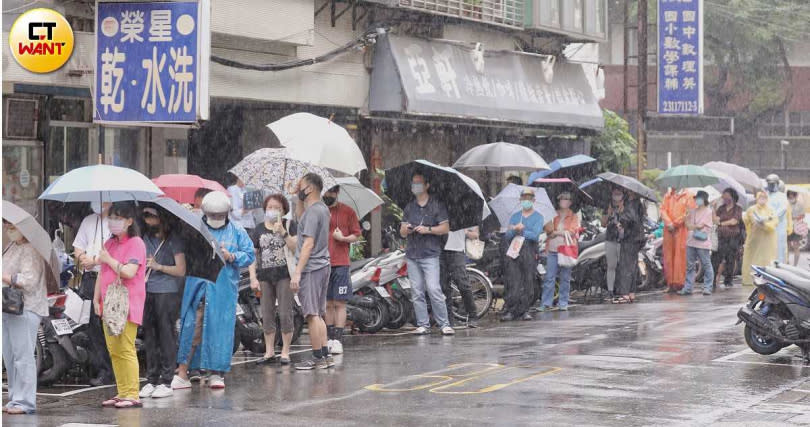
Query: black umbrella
point(461, 195)
point(555, 186)
point(203, 256)
point(600, 187)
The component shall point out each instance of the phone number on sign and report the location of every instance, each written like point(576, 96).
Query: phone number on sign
point(680, 107)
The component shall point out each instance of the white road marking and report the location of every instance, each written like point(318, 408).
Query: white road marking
point(730, 359)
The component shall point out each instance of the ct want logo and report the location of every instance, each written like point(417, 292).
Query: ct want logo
point(41, 40)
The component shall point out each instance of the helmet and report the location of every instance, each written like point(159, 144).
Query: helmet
point(772, 178)
point(216, 202)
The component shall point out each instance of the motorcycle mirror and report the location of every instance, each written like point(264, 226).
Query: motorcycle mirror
point(366, 225)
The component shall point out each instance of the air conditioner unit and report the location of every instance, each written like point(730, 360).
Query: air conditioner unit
point(21, 118)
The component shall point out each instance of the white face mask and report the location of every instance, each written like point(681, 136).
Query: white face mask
point(215, 223)
point(272, 215)
point(116, 226)
point(14, 235)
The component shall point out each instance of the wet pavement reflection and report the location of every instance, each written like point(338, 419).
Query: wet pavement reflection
point(667, 360)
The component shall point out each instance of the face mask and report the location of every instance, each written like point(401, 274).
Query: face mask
point(153, 229)
point(699, 202)
point(526, 204)
point(792, 201)
point(14, 235)
point(302, 195)
point(272, 215)
point(117, 226)
point(215, 223)
point(618, 198)
point(727, 201)
point(329, 200)
point(565, 204)
point(762, 202)
point(417, 189)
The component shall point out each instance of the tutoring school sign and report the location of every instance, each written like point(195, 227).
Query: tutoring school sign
point(680, 57)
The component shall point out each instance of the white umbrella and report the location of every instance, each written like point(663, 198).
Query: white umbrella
point(318, 141)
point(102, 183)
point(499, 157)
point(353, 194)
point(37, 237)
point(507, 202)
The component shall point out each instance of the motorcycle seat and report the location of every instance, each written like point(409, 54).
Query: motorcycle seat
point(788, 277)
point(588, 243)
point(356, 265)
point(792, 269)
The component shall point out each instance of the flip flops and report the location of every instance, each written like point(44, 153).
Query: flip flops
point(128, 403)
point(109, 403)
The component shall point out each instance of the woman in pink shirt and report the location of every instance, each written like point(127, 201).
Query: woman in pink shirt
point(124, 254)
point(698, 245)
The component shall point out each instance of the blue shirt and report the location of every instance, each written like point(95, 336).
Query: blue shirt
point(160, 282)
point(533, 224)
point(432, 214)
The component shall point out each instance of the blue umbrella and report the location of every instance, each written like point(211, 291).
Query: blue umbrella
point(574, 167)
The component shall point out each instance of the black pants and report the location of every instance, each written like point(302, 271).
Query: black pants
point(627, 276)
point(97, 345)
point(519, 276)
point(160, 313)
point(454, 267)
point(727, 249)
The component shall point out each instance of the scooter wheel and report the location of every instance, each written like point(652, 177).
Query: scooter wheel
point(761, 344)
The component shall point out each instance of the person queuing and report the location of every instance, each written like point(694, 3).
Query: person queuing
point(524, 231)
point(564, 227)
point(631, 215)
point(344, 229)
point(270, 275)
point(123, 258)
point(698, 246)
point(198, 198)
point(90, 237)
point(207, 311)
point(674, 210)
point(777, 200)
point(760, 236)
point(311, 278)
point(165, 275)
point(238, 215)
point(453, 266)
point(424, 221)
point(728, 218)
point(24, 269)
point(610, 220)
point(797, 210)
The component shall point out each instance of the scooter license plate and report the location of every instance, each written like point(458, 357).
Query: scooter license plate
point(382, 291)
point(239, 310)
point(61, 326)
point(404, 283)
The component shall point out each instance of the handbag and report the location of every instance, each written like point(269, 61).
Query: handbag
point(474, 249)
point(515, 246)
point(13, 302)
point(700, 235)
point(567, 254)
point(289, 256)
point(116, 307)
point(800, 228)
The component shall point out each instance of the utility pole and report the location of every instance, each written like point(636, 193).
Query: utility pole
point(641, 107)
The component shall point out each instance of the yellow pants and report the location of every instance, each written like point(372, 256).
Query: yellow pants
point(124, 361)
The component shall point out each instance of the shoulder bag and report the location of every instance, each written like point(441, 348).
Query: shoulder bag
point(13, 302)
point(474, 249)
point(115, 309)
point(568, 252)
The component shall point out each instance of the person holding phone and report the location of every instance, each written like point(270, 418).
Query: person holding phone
point(698, 246)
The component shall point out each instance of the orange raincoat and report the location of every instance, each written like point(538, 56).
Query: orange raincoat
point(673, 211)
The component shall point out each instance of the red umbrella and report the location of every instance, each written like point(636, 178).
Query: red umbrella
point(182, 187)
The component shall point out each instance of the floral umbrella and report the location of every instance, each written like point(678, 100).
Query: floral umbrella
point(271, 170)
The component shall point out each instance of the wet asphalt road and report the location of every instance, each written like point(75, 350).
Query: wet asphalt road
point(666, 360)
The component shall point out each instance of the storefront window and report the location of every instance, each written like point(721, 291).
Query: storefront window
point(22, 172)
point(120, 146)
point(550, 12)
point(68, 148)
point(176, 155)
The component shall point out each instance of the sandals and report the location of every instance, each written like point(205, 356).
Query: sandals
point(267, 360)
point(128, 403)
point(284, 360)
point(622, 300)
point(15, 411)
point(109, 403)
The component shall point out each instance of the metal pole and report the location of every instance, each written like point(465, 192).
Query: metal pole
point(641, 108)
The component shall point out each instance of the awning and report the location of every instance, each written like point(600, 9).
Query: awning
point(438, 78)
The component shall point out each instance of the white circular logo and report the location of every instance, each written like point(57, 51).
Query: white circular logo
point(109, 26)
point(185, 24)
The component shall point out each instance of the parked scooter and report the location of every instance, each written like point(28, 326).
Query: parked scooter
point(371, 304)
point(778, 311)
point(57, 349)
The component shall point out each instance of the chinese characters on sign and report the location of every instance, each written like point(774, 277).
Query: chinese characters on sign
point(147, 62)
point(680, 57)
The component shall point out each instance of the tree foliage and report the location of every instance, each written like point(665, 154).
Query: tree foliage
point(614, 147)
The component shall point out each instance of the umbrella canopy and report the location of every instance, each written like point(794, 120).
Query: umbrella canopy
point(686, 176)
point(101, 183)
point(575, 167)
point(507, 202)
point(181, 187)
point(803, 193)
point(555, 186)
point(203, 256)
point(749, 180)
point(600, 187)
point(462, 196)
point(37, 237)
point(355, 195)
point(499, 157)
point(271, 169)
point(319, 141)
point(725, 181)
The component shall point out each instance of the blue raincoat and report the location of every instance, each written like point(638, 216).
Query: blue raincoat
point(216, 347)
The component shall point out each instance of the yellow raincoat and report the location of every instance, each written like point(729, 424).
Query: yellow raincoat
point(760, 241)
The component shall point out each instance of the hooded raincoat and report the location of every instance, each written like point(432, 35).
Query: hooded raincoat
point(779, 203)
point(673, 211)
point(760, 241)
point(215, 349)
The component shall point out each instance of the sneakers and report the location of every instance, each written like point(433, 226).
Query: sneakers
point(312, 364)
point(330, 362)
point(707, 292)
point(684, 292)
point(421, 331)
point(162, 391)
point(448, 331)
point(508, 317)
point(335, 347)
point(216, 382)
point(527, 316)
point(146, 391)
point(564, 308)
point(180, 384)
